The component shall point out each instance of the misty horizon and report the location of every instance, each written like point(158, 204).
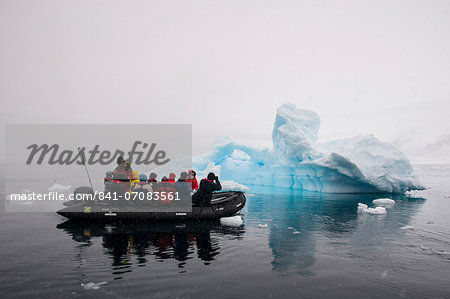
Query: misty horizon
point(376, 68)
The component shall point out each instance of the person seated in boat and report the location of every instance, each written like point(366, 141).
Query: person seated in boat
point(120, 184)
point(165, 187)
point(134, 179)
point(192, 179)
point(108, 180)
point(152, 180)
point(172, 177)
point(207, 186)
point(183, 187)
point(142, 185)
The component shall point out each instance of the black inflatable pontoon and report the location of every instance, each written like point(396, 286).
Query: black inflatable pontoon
point(223, 204)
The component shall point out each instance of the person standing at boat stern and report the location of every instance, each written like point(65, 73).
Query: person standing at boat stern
point(121, 165)
point(207, 186)
point(124, 167)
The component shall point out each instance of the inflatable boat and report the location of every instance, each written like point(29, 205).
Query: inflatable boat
point(223, 204)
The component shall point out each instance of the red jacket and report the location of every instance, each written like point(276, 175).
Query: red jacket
point(166, 186)
point(193, 182)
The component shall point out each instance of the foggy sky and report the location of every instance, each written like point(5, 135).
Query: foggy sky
point(379, 67)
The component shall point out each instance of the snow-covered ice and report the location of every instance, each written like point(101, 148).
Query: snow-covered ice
point(363, 208)
point(299, 160)
point(407, 227)
point(414, 194)
point(386, 202)
point(59, 187)
point(93, 285)
point(231, 221)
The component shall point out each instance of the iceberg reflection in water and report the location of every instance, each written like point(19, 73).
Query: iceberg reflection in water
point(299, 222)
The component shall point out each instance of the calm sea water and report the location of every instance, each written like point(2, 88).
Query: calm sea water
point(292, 244)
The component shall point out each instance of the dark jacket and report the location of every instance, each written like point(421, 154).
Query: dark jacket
point(118, 189)
point(153, 183)
point(204, 194)
point(183, 188)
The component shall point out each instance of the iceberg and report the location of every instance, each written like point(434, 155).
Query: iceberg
point(235, 221)
point(298, 160)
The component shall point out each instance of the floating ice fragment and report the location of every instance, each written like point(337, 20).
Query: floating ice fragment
point(387, 202)
point(290, 227)
point(93, 285)
point(424, 248)
point(362, 208)
point(263, 225)
point(59, 187)
point(408, 227)
point(416, 193)
point(231, 221)
point(295, 232)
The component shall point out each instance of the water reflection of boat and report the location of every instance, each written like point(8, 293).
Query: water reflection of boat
point(223, 204)
point(165, 240)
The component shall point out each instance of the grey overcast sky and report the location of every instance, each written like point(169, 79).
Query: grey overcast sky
point(380, 67)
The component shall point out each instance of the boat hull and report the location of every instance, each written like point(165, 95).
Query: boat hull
point(223, 204)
